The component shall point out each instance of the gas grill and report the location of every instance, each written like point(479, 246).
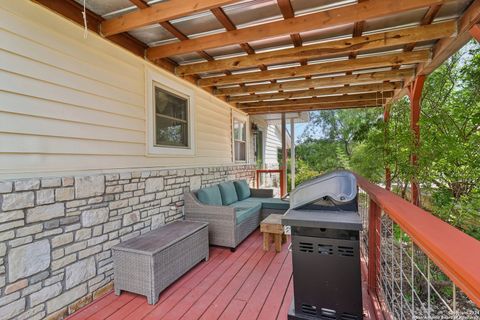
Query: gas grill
point(325, 227)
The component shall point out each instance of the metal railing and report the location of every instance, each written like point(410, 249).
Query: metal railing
point(260, 172)
point(419, 267)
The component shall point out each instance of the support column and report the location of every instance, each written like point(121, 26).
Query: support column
point(292, 153)
point(415, 90)
point(388, 174)
point(475, 32)
point(374, 238)
point(283, 179)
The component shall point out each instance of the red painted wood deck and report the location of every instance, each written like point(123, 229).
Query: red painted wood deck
point(246, 284)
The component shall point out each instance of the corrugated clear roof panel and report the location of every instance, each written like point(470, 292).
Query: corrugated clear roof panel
point(264, 44)
point(302, 7)
point(397, 20)
point(102, 7)
point(153, 35)
point(452, 9)
point(187, 58)
point(233, 50)
point(248, 13)
point(324, 34)
point(198, 24)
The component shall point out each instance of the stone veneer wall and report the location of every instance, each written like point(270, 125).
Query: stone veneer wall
point(56, 233)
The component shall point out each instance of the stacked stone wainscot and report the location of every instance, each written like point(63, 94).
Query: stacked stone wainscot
point(56, 233)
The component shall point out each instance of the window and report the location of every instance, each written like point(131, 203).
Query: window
point(171, 119)
point(240, 140)
point(170, 114)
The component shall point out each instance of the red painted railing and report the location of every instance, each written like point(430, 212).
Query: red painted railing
point(263, 171)
point(454, 252)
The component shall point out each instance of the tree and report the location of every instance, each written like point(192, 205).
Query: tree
point(449, 151)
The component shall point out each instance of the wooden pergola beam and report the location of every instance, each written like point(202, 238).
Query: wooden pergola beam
point(327, 49)
point(447, 46)
point(320, 20)
point(396, 75)
point(312, 107)
point(376, 97)
point(72, 10)
point(376, 87)
point(156, 13)
point(475, 31)
point(372, 62)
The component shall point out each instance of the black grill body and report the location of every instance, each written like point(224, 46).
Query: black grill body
point(326, 261)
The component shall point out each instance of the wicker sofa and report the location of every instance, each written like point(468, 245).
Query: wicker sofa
point(232, 210)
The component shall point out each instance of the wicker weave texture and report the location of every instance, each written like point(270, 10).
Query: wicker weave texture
point(222, 224)
point(149, 275)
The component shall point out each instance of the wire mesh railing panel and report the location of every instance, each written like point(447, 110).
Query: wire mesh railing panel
point(410, 285)
point(363, 201)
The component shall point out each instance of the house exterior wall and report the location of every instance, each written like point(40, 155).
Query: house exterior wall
point(272, 144)
point(56, 232)
point(75, 178)
point(69, 104)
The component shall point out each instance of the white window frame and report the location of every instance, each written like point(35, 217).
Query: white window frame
point(156, 79)
point(247, 132)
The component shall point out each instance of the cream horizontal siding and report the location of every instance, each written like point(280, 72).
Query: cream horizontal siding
point(38, 107)
point(273, 142)
point(20, 84)
point(69, 104)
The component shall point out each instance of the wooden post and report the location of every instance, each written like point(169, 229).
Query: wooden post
point(388, 174)
point(374, 229)
point(292, 153)
point(283, 178)
point(415, 94)
point(475, 32)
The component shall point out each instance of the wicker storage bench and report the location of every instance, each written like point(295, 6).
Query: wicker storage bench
point(149, 263)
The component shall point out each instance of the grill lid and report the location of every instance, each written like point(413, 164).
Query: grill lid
point(339, 186)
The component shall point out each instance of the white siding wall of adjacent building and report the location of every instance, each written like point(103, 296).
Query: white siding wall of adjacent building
point(69, 104)
point(272, 144)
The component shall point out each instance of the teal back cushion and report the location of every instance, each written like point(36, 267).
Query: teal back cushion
point(243, 190)
point(210, 196)
point(229, 194)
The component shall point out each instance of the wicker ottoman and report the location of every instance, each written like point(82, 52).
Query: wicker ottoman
point(149, 263)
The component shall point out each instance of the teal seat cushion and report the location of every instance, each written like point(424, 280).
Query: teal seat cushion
point(247, 203)
point(228, 192)
point(210, 196)
point(245, 213)
point(243, 189)
point(272, 203)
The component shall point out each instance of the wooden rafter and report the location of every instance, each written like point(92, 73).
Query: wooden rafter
point(447, 46)
point(141, 4)
point(475, 32)
point(230, 26)
point(426, 20)
point(326, 49)
point(397, 75)
point(72, 10)
point(376, 87)
point(160, 12)
point(312, 107)
point(377, 96)
point(321, 68)
point(287, 11)
point(362, 11)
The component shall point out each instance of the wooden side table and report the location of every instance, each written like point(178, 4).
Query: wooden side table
point(272, 228)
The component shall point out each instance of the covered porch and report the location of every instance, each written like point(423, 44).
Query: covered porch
point(94, 157)
point(246, 284)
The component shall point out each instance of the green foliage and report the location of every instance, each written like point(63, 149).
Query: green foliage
point(344, 139)
point(449, 151)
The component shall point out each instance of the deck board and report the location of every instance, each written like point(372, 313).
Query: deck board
point(246, 284)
